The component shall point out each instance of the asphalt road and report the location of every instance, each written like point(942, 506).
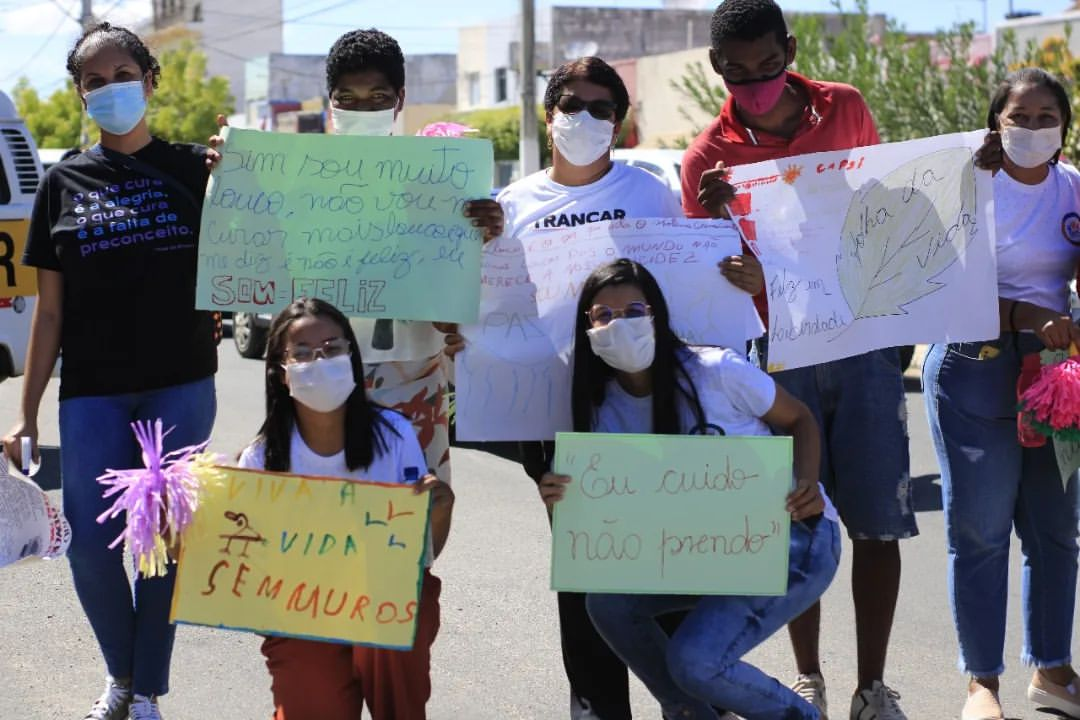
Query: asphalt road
point(497, 655)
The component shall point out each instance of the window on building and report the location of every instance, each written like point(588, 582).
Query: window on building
point(473, 80)
point(501, 93)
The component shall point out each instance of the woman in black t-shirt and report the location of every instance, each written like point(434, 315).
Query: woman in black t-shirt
point(114, 238)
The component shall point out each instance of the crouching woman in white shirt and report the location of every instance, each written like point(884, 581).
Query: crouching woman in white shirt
point(633, 375)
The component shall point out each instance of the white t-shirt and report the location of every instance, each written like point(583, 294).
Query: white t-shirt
point(538, 202)
point(402, 451)
point(1038, 236)
point(733, 393)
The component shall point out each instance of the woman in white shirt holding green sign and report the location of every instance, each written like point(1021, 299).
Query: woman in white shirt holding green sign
point(633, 375)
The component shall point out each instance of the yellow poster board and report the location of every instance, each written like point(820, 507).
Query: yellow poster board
point(15, 278)
point(318, 558)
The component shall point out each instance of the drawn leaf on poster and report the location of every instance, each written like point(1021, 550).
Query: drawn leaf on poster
point(902, 231)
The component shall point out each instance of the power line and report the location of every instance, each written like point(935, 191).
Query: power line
point(36, 53)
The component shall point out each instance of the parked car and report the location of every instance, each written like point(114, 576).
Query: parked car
point(20, 172)
point(250, 332)
point(664, 163)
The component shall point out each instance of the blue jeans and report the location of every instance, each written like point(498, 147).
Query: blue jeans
point(700, 666)
point(989, 485)
point(134, 634)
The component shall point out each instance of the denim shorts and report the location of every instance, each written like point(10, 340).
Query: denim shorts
point(861, 411)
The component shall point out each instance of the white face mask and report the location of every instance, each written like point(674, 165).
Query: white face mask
point(627, 344)
point(1030, 148)
point(324, 384)
point(581, 138)
point(362, 122)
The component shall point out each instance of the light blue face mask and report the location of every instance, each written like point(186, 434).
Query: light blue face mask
point(117, 107)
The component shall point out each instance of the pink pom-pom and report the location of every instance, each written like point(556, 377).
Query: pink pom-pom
point(1052, 401)
point(444, 129)
point(159, 499)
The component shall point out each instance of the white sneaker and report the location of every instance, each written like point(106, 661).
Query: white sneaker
point(113, 703)
point(144, 708)
point(811, 688)
point(877, 703)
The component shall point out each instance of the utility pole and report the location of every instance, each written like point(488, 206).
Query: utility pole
point(528, 148)
point(86, 19)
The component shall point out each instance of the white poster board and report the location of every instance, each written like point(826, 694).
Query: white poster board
point(872, 247)
point(513, 378)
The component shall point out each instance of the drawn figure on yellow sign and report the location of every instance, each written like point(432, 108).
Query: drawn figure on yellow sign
point(244, 533)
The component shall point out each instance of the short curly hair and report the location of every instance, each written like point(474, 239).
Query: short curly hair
point(747, 20)
point(104, 34)
point(589, 69)
point(361, 50)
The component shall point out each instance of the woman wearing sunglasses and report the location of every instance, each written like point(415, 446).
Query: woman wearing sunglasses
point(633, 375)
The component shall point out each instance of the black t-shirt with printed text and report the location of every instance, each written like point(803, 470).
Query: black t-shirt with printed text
point(126, 244)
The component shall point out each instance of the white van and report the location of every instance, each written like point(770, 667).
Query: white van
point(20, 172)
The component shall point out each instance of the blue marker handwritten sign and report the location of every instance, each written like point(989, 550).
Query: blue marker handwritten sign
point(372, 225)
point(697, 515)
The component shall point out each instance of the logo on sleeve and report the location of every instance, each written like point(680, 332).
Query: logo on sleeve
point(1070, 228)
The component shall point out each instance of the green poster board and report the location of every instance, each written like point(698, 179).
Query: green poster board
point(701, 515)
point(373, 225)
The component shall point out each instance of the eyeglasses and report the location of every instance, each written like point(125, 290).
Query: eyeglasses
point(599, 109)
point(600, 315)
point(335, 347)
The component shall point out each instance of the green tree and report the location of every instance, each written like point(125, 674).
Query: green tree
point(186, 103)
point(55, 122)
point(503, 127)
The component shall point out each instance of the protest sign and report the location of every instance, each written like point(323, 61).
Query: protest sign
point(513, 379)
point(372, 225)
point(699, 515)
point(15, 278)
point(316, 558)
point(872, 247)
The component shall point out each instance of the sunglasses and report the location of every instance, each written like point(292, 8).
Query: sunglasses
point(601, 315)
point(599, 109)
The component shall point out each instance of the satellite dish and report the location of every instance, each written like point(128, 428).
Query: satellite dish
point(579, 48)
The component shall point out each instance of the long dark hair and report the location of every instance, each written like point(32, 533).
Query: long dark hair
point(669, 376)
point(1036, 77)
point(364, 424)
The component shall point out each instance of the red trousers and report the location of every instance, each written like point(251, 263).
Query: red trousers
point(330, 681)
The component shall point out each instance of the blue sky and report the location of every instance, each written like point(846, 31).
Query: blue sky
point(35, 35)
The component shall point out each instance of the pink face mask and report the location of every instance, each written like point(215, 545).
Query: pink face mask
point(758, 97)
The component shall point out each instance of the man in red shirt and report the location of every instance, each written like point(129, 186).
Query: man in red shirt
point(773, 113)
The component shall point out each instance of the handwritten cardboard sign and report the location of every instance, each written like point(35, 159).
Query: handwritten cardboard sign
point(15, 278)
point(513, 378)
point(306, 557)
point(701, 515)
point(372, 225)
point(872, 247)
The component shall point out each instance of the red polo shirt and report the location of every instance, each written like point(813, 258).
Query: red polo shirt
point(837, 118)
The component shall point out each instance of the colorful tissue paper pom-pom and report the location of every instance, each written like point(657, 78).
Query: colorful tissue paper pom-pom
point(444, 129)
point(1052, 403)
point(160, 499)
